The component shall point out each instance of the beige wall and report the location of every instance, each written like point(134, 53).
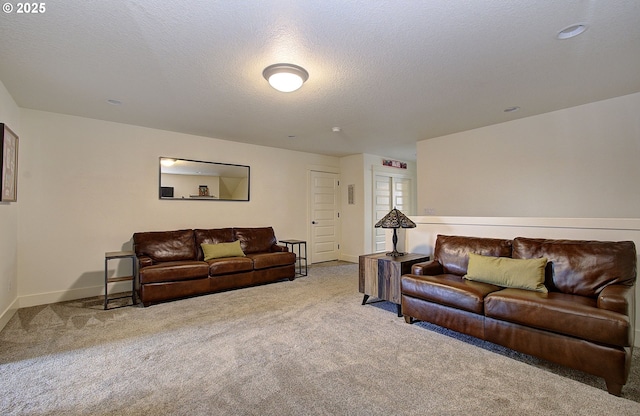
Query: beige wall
point(10, 115)
point(86, 186)
point(577, 162)
point(351, 173)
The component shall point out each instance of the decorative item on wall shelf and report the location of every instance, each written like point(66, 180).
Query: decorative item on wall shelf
point(8, 164)
point(394, 163)
point(395, 219)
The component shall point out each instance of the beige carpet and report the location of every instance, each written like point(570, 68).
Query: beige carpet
point(305, 347)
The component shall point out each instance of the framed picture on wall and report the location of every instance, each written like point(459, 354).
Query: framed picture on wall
point(8, 164)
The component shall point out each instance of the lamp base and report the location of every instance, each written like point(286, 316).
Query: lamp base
point(395, 252)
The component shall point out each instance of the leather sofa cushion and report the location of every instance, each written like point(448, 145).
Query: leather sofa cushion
point(230, 265)
point(450, 290)
point(453, 251)
point(164, 246)
point(256, 240)
point(174, 271)
point(212, 236)
point(266, 260)
point(562, 313)
point(581, 267)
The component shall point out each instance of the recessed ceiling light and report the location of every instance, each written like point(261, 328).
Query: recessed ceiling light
point(114, 102)
point(512, 109)
point(571, 31)
point(285, 77)
point(336, 129)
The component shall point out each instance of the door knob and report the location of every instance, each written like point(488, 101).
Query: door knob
point(313, 222)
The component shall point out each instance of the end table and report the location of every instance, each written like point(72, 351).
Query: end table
point(379, 275)
point(112, 255)
point(301, 260)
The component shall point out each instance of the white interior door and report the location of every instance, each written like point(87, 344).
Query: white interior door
point(390, 191)
point(324, 216)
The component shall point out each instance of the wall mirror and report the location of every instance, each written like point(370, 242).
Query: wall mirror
point(206, 181)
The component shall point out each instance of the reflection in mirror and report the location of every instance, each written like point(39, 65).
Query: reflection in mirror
point(198, 180)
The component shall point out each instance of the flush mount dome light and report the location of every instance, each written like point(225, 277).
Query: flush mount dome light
point(285, 77)
point(571, 31)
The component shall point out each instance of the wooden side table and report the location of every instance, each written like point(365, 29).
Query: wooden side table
point(379, 275)
point(112, 255)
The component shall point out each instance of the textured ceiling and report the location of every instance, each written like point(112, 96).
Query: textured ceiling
point(388, 73)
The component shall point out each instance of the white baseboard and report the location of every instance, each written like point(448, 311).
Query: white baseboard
point(8, 313)
point(350, 258)
point(72, 294)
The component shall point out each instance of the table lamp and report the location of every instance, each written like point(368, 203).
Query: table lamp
point(395, 219)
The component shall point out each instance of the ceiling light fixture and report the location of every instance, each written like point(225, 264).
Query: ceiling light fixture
point(285, 77)
point(571, 31)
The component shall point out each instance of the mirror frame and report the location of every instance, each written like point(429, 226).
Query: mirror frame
point(198, 197)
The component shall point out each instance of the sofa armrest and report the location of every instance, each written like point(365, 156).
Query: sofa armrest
point(278, 248)
point(144, 261)
point(427, 268)
point(617, 298)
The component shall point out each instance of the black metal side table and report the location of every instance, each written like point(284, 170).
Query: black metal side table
point(113, 255)
point(296, 247)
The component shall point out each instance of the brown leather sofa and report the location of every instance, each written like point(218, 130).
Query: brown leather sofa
point(171, 264)
point(585, 321)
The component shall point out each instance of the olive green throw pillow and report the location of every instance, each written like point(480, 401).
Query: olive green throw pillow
point(507, 272)
point(220, 250)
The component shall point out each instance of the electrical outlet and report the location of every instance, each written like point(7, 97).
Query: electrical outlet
point(9, 286)
point(429, 211)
